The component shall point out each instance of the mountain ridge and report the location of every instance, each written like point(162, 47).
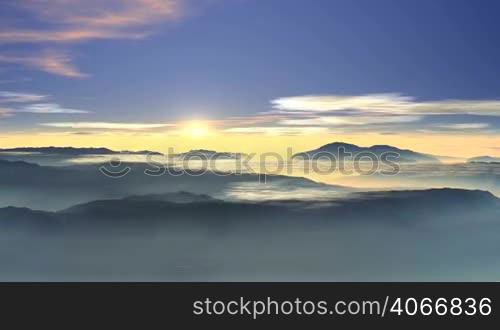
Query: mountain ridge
point(334, 149)
point(484, 159)
point(72, 151)
point(400, 206)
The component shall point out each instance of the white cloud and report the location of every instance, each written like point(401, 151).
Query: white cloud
point(321, 103)
point(368, 112)
point(391, 103)
point(16, 97)
point(393, 112)
point(349, 120)
point(50, 108)
point(106, 125)
point(277, 130)
point(45, 108)
point(465, 126)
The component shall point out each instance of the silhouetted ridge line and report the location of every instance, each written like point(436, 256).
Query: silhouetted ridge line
point(71, 151)
point(335, 148)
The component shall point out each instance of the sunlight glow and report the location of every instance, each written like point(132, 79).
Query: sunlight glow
point(197, 129)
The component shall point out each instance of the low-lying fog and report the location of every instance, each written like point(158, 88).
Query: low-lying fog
point(360, 242)
point(381, 252)
point(485, 176)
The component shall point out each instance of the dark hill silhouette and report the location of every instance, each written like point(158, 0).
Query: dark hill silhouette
point(335, 148)
point(173, 197)
point(399, 207)
point(28, 174)
point(55, 188)
point(13, 218)
point(421, 205)
point(71, 151)
point(381, 236)
point(484, 159)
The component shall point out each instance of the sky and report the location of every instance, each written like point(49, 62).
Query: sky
point(251, 75)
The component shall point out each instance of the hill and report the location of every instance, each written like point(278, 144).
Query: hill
point(333, 150)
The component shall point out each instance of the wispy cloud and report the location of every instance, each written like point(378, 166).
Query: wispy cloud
point(50, 61)
point(277, 130)
point(13, 81)
point(389, 112)
point(106, 125)
point(349, 120)
point(320, 103)
point(81, 20)
point(391, 103)
point(70, 35)
point(17, 97)
point(81, 133)
point(119, 13)
point(465, 126)
point(357, 112)
point(31, 103)
point(50, 108)
point(4, 112)
point(70, 21)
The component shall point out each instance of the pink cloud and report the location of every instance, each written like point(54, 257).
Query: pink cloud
point(69, 21)
point(5, 112)
point(70, 35)
point(130, 12)
point(58, 63)
point(81, 20)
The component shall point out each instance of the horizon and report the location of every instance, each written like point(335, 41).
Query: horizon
point(300, 146)
point(288, 151)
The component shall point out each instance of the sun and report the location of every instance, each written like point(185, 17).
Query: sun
point(197, 129)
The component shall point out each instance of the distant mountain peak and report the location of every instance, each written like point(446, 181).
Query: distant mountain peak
point(173, 197)
point(74, 151)
point(17, 164)
point(400, 206)
point(335, 147)
point(484, 159)
point(337, 143)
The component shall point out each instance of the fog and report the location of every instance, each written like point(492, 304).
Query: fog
point(347, 252)
point(223, 226)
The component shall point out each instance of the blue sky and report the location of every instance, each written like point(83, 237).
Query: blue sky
point(164, 61)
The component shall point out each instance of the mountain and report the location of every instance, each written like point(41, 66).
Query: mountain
point(393, 206)
point(70, 151)
point(382, 236)
point(209, 154)
point(173, 197)
point(418, 206)
point(54, 188)
point(484, 159)
point(334, 149)
point(450, 159)
point(422, 205)
point(23, 173)
point(25, 219)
